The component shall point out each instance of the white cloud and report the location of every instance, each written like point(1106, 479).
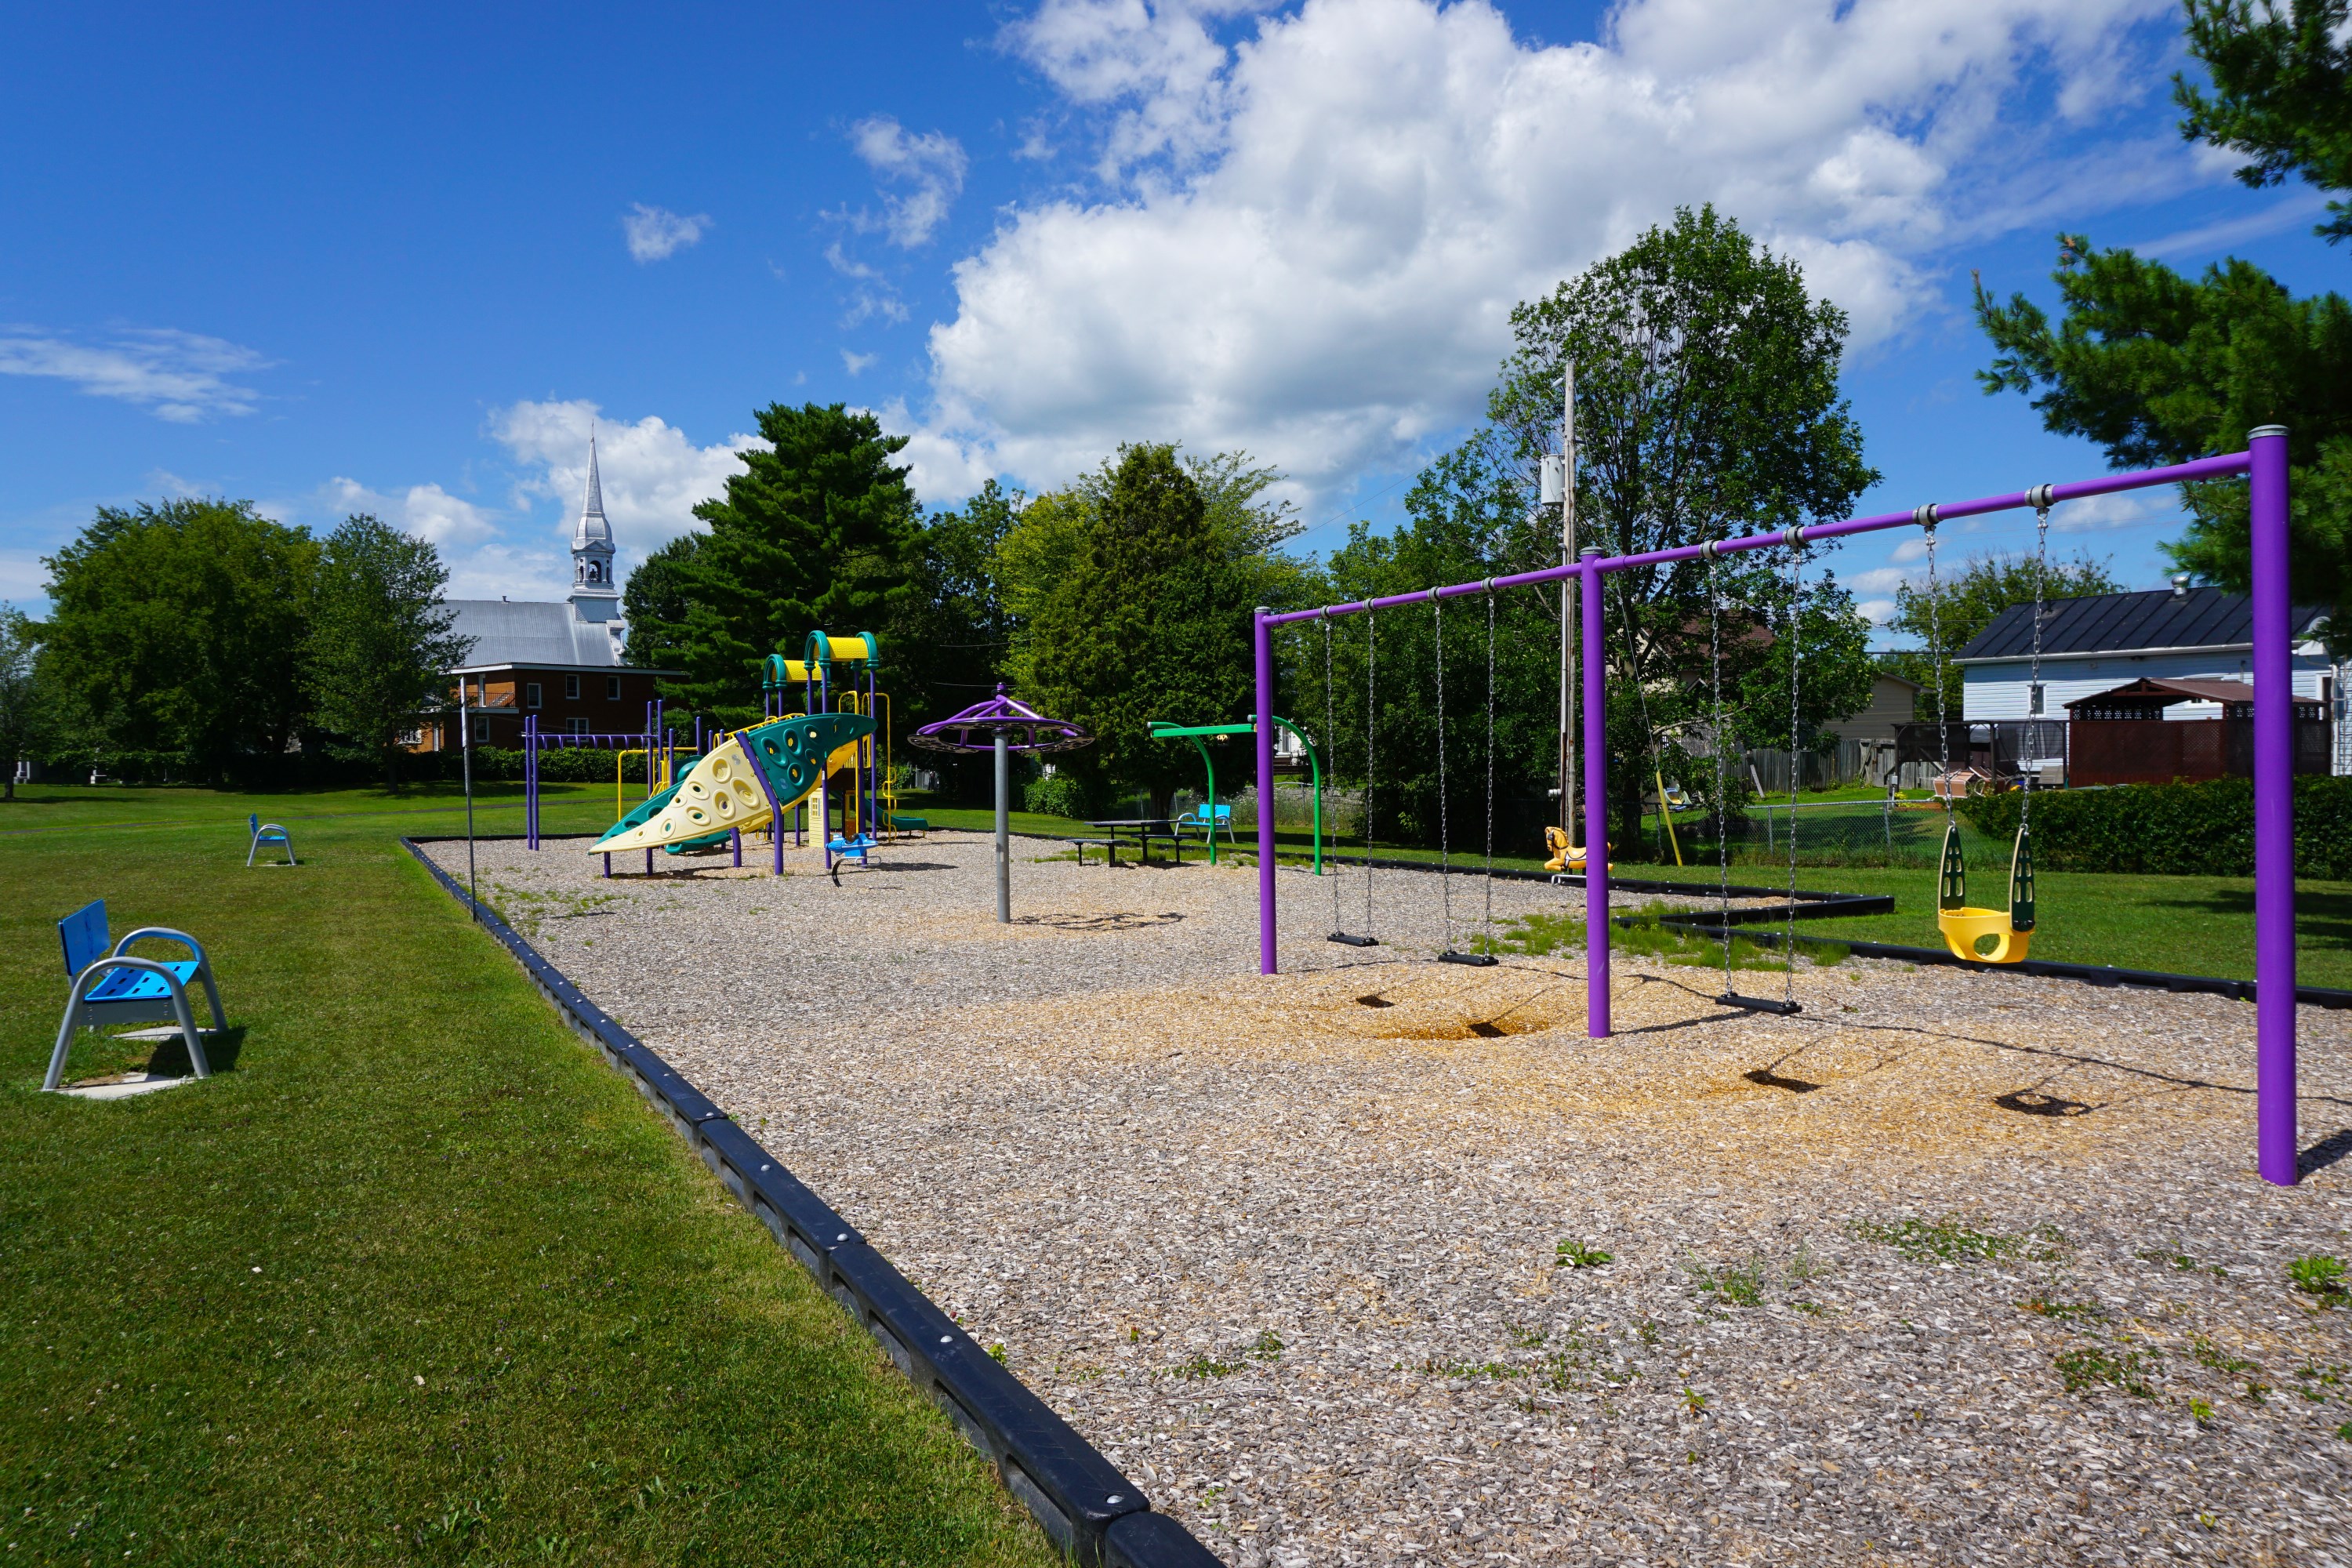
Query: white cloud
point(655, 234)
point(925, 174)
point(855, 363)
point(872, 296)
point(651, 473)
point(175, 375)
point(427, 511)
point(24, 580)
point(1310, 239)
point(942, 469)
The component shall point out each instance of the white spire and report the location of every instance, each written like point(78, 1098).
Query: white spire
point(592, 525)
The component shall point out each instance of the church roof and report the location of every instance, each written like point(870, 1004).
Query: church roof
point(545, 636)
point(592, 528)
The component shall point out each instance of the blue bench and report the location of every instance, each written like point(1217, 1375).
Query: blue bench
point(112, 987)
point(265, 834)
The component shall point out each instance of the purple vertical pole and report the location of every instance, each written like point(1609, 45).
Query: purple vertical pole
point(1596, 805)
point(2273, 672)
point(531, 781)
point(1265, 727)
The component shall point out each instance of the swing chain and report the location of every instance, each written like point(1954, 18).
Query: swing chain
point(1487, 942)
point(1444, 852)
point(1330, 734)
point(1371, 648)
point(2034, 704)
point(1796, 768)
point(1715, 740)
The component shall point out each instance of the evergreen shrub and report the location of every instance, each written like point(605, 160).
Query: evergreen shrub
point(2176, 829)
point(1056, 794)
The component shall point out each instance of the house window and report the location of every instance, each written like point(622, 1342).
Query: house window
point(2035, 692)
point(411, 737)
point(531, 693)
point(572, 687)
point(612, 688)
point(482, 727)
point(579, 726)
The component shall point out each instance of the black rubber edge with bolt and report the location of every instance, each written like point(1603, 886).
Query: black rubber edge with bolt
point(1090, 1511)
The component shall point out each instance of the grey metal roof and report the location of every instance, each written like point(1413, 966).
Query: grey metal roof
point(2117, 623)
point(507, 631)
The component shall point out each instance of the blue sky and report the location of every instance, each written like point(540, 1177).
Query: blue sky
point(396, 258)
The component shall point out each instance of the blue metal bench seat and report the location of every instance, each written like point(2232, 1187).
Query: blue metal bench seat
point(112, 985)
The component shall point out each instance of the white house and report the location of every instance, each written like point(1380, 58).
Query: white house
point(2106, 640)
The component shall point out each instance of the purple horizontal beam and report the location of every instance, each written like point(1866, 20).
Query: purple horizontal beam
point(2179, 473)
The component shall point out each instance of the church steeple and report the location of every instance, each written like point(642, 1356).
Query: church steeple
point(595, 595)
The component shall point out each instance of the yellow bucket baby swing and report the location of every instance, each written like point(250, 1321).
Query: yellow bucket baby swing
point(1982, 935)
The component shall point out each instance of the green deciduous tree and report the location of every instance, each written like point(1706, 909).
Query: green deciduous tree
point(655, 601)
point(1707, 400)
point(948, 643)
point(179, 628)
point(1969, 598)
point(1130, 596)
point(2281, 92)
point(21, 708)
point(381, 646)
point(818, 531)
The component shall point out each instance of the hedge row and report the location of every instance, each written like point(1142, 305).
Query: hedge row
point(2176, 829)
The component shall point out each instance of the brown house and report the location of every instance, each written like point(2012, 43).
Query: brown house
point(560, 663)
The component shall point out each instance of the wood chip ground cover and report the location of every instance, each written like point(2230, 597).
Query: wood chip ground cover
point(1948, 1267)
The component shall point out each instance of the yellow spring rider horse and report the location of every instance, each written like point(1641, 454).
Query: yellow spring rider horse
point(1565, 856)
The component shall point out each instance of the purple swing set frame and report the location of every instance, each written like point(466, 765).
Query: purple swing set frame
point(2264, 462)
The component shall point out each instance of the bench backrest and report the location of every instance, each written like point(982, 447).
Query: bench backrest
point(252, 824)
point(83, 932)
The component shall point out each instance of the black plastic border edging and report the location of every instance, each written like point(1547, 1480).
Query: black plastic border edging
point(1813, 906)
point(2088, 974)
point(1091, 1510)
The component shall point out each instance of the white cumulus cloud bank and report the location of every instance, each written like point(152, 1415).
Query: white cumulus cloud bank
point(1307, 243)
point(183, 377)
point(655, 234)
point(921, 177)
point(651, 473)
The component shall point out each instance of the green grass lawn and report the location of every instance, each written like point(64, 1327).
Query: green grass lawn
point(418, 1278)
point(2183, 925)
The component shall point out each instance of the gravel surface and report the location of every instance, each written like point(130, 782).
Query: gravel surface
point(1381, 1261)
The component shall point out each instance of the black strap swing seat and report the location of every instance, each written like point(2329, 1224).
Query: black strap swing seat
point(1330, 713)
point(1785, 1005)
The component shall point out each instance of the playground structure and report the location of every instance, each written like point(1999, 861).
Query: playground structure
point(2264, 465)
point(1003, 725)
point(1200, 734)
point(747, 782)
point(868, 817)
point(657, 744)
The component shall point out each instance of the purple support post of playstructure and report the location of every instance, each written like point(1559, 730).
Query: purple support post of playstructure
point(531, 781)
point(2273, 672)
point(1596, 804)
point(1266, 923)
